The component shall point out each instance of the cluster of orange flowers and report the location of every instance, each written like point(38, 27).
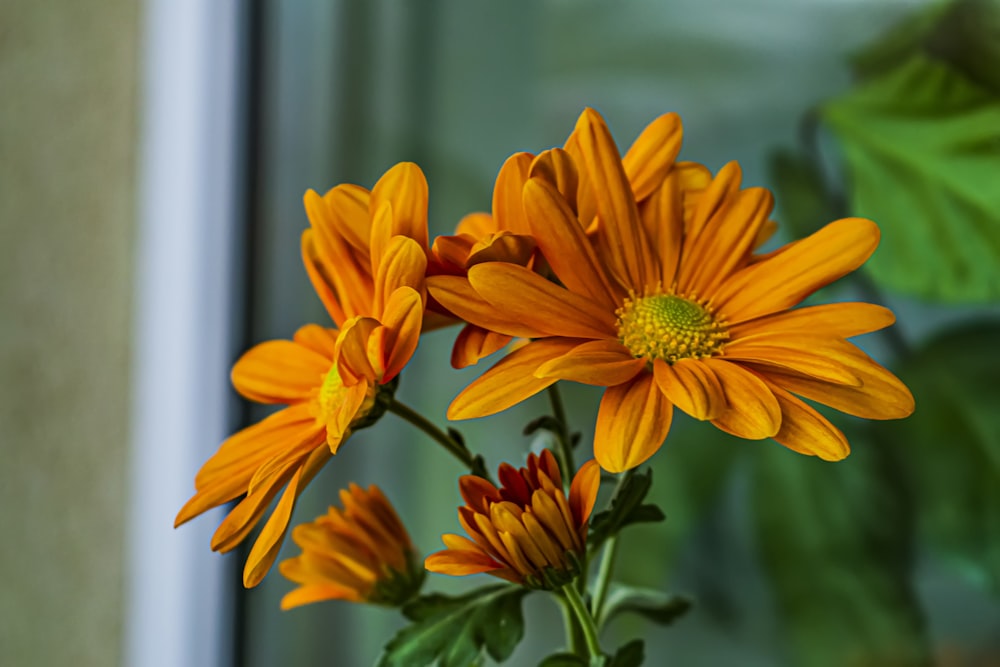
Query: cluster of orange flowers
point(640, 274)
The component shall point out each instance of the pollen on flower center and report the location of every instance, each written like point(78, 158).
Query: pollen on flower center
point(669, 327)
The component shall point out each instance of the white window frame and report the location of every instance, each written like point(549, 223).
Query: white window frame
point(178, 593)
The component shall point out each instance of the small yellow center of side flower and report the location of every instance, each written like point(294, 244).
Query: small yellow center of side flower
point(331, 394)
point(669, 327)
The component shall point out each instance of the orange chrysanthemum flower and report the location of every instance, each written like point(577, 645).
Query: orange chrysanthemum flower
point(361, 553)
point(481, 237)
point(669, 306)
point(526, 531)
point(332, 382)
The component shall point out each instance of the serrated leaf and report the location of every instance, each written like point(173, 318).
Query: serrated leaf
point(626, 508)
point(631, 654)
point(804, 205)
point(950, 447)
point(453, 631)
point(657, 606)
point(922, 149)
point(836, 542)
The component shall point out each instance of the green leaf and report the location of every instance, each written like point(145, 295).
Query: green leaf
point(657, 606)
point(803, 202)
point(626, 508)
point(968, 37)
point(922, 148)
point(453, 631)
point(964, 34)
point(563, 660)
point(629, 655)
point(836, 542)
point(951, 448)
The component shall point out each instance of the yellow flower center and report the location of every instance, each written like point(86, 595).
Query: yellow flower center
point(669, 327)
point(331, 394)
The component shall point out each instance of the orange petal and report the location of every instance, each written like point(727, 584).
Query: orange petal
point(663, 217)
point(274, 468)
point(320, 340)
point(457, 295)
point(268, 543)
point(245, 515)
point(403, 265)
point(629, 249)
point(476, 225)
point(459, 563)
point(353, 361)
point(318, 592)
point(338, 423)
point(725, 241)
point(241, 453)
point(279, 371)
point(753, 411)
point(563, 242)
point(322, 283)
point(404, 313)
point(822, 357)
point(507, 211)
point(583, 491)
point(842, 320)
point(524, 296)
point(880, 396)
point(341, 266)
point(692, 387)
point(586, 202)
point(474, 343)
point(711, 198)
point(603, 363)
point(806, 431)
point(798, 270)
point(502, 247)
point(556, 167)
point(453, 251)
point(348, 211)
point(510, 381)
point(632, 422)
point(405, 188)
point(652, 155)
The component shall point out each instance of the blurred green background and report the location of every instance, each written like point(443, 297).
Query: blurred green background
point(888, 110)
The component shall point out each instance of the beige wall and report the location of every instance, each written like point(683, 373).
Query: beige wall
point(68, 92)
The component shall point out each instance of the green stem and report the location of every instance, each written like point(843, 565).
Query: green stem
point(453, 447)
point(607, 557)
point(604, 577)
point(565, 447)
point(570, 626)
point(586, 622)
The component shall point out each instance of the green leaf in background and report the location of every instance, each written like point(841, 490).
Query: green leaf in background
point(453, 631)
point(835, 540)
point(563, 660)
point(657, 606)
point(951, 448)
point(631, 654)
point(802, 199)
point(964, 34)
point(922, 148)
point(626, 508)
